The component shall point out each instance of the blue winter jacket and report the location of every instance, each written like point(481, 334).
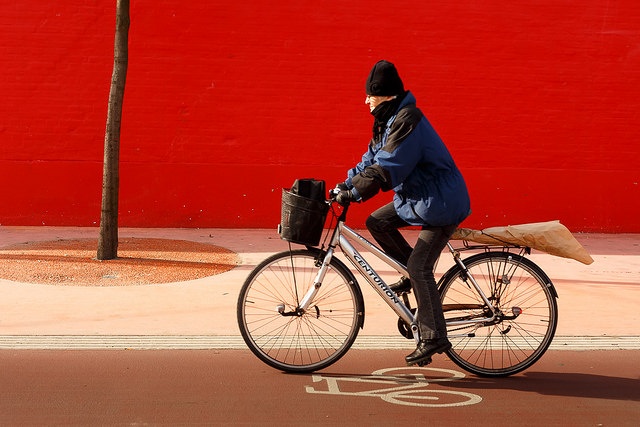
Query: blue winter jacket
point(411, 159)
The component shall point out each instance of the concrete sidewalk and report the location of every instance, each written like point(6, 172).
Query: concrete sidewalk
point(601, 300)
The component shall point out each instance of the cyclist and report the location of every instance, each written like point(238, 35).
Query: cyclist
point(406, 155)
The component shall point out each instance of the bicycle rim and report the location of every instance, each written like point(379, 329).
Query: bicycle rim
point(291, 341)
point(528, 314)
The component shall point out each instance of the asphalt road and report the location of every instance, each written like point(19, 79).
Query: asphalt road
point(365, 388)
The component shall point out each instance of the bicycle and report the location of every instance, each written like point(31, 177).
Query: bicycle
point(301, 310)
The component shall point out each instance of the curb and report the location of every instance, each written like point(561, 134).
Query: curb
point(231, 342)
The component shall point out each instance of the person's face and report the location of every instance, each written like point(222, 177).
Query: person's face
point(374, 101)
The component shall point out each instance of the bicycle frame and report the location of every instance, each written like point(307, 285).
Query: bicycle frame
point(341, 238)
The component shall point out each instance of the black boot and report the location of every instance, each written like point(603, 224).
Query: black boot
point(401, 286)
point(426, 349)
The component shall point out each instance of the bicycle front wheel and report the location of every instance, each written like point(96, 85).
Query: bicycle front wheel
point(525, 322)
point(282, 335)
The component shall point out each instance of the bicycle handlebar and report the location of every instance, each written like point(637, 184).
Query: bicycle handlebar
point(333, 193)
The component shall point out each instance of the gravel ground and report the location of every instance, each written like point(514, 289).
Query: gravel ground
point(140, 261)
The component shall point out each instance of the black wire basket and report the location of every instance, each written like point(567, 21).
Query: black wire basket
point(303, 212)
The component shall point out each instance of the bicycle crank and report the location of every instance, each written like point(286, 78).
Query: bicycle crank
point(404, 328)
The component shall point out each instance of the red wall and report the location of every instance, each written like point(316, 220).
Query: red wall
point(228, 102)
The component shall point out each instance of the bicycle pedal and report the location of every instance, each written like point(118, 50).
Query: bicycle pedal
point(423, 362)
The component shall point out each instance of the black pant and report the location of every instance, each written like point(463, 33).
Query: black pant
point(383, 224)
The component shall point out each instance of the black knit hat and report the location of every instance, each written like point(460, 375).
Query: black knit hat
point(384, 80)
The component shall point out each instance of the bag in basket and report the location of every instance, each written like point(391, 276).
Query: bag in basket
point(304, 212)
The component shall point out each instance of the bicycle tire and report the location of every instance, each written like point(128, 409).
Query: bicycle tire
point(299, 342)
point(526, 300)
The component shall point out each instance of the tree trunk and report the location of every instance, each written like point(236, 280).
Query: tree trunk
point(108, 241)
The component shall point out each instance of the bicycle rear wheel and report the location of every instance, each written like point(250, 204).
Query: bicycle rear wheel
point(527, 313)
point(282, 335)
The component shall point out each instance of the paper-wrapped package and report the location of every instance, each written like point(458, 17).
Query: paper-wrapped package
point(550, 237)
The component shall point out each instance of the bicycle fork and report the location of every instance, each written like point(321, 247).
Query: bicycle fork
point(317, 282)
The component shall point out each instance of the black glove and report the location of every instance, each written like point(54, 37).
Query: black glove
point(342, 186)
point(345, 197)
